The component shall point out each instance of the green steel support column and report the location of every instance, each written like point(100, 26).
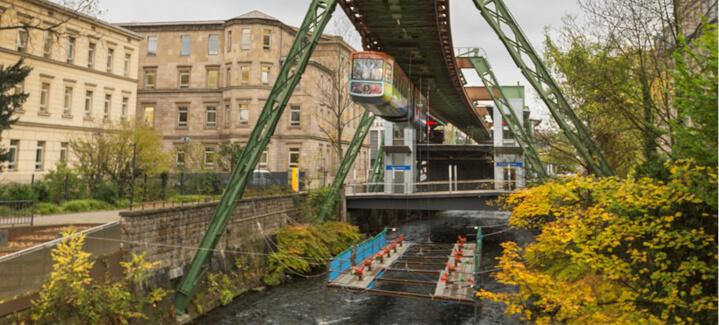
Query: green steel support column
point(377, 169)
point(351, 153)
point(318, 15)
point(530, 136)
point(490, 82)
point(495, 12)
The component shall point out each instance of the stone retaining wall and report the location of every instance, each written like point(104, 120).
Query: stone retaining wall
point(168, 235)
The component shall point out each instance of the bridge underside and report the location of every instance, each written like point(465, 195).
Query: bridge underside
point(417, 34)
point(432, 201)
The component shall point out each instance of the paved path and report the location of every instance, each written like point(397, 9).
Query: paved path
point(98, 217)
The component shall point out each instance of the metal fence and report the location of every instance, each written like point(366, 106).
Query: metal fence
point(25, 271)
point(441, 186)
point(14, 213)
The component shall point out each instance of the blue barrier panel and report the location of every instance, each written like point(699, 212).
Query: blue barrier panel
point(339, 264)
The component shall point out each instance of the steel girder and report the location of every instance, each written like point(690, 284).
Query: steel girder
point(309, 33)
point(525, 140)
point(350, 155)
point(495, 12)
point(377, 169)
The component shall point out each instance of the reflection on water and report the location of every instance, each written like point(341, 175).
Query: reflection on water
point(308, 301)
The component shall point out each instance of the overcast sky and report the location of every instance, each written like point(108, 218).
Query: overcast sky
point(468, 27)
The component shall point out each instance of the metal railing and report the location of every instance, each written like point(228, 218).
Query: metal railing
point(14, 213)
point(25, 271)
point(441, 186)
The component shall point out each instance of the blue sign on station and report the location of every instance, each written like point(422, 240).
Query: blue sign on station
point(509, 164)
point(398, 167)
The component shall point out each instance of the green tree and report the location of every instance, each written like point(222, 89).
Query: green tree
point(10, 98)
point(107, 155)
point(695, 86)
point(228, 155)
point(58, 178)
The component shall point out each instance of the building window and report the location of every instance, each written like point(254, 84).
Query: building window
point(12, 155)
point(180, 156)
point(47, 44)
point(63, 151)
point(44, 96)
point(212, 78)
point(265, 76)
point(150, 116)
point(108, 99)
point(245, 76)
point(244, 114)
point(214, 43)
point(229, 41)
point(210, 158)
point(21, 40)
point(211, 116)
point(90, 55)
point(127, 65)
point(228, 77)
point(266, 39)
point(88, 103)
point(182, 116)
point(151, 45)
point(294, 157)
point(294, 116)
point(68, 101)
point(264, 160)
point(184, 78)
point(39, 155)
point(185, 45)
point(124, 108)
point(245, 39)
point(110, 53)
point(70, 49)
point(150, 79)
point(227, 116)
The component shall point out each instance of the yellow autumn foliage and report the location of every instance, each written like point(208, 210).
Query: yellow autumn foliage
point(612, 251)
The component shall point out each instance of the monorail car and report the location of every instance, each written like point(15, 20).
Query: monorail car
point(379, 85)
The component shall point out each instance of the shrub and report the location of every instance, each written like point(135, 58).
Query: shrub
point(122, 204)
point(107, 192)
point(14, 192)
point(46, 208)
point(84, 205)
point(55, 181)
point(70, 292)
point(42, 191)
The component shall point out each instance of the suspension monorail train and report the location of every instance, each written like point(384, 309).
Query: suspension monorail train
point(379, 85)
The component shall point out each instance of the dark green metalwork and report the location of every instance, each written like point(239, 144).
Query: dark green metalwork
point(418, 35)
point(309, 33)
point(495, 12)
point(350, 155)
point(377, 175)
point(490, 82)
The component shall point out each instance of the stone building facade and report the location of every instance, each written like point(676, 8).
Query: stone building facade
point(84, 76)
point(206, 82)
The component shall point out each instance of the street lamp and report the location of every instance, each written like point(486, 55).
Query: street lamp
point(132, 187)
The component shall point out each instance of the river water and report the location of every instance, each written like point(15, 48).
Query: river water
point(306, 300)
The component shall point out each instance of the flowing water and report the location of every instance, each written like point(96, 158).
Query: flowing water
point(306, 300)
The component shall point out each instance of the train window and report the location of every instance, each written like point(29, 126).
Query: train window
point(367, 69)
point(388, 73)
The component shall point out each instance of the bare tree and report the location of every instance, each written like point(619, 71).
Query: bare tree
point(613, 64)
point(337, 114)
point(52, 18)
